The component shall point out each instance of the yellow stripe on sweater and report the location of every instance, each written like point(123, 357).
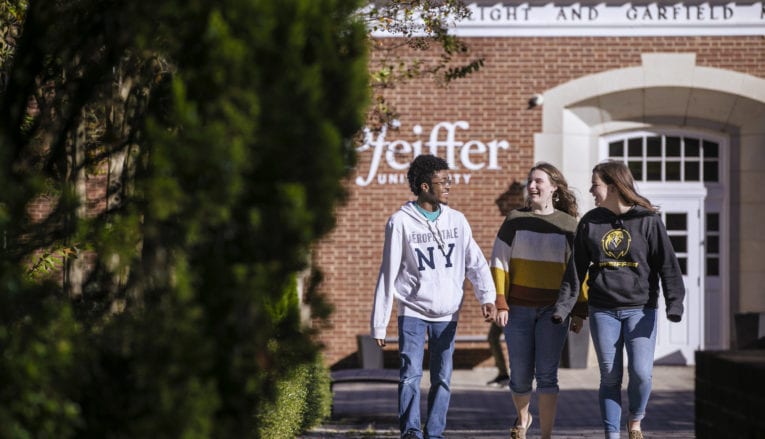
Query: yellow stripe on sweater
point(501, 280)
point(537, 274)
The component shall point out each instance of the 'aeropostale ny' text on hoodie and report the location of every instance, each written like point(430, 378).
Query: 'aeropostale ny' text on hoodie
point(424, 267)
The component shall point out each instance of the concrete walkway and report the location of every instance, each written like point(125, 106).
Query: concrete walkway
point(480, 411)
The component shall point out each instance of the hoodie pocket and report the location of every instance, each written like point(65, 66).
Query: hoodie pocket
point(436, 297)
point(442, 297)
point(622, 283)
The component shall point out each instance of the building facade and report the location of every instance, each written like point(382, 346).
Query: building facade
point(677, 90)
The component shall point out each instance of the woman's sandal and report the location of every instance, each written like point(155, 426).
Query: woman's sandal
point(634, 434)
point(519, 432)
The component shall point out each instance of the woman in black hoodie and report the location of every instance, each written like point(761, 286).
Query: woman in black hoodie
point(622, 245)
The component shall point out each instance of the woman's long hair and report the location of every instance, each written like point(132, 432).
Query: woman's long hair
point(563, 198)
point(618, 174)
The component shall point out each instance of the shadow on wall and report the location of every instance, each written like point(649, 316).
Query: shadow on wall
point(512, 198)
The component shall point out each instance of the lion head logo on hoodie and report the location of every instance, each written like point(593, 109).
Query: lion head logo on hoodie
point(616, 243)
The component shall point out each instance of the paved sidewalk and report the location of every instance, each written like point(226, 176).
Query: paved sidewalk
point(480, 411)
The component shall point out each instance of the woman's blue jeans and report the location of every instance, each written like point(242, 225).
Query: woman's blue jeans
point(534, 345)
point(612, 332)
point(411, 342)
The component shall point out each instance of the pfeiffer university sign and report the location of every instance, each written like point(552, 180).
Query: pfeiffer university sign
point(390, 158)
point(662, 18)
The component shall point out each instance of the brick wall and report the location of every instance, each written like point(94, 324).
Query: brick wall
point(494, 102)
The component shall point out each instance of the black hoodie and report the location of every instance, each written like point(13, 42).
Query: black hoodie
point(625, 256)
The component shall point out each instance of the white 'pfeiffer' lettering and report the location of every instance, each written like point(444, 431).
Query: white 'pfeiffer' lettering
point(473, 155)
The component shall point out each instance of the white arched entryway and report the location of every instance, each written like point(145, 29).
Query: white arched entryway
point(669, 93)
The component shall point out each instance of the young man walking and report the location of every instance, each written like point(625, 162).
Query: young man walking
point(429, 250)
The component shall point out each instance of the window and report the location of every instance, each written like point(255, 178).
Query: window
point(713, 244)
point(668, 158)
point(677, 229)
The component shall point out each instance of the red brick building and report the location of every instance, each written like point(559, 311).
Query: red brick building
point(675, 89)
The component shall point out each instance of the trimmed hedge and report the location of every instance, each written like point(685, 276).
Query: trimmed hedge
point(302, 401)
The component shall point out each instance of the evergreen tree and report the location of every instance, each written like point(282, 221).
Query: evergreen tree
point(166, 167)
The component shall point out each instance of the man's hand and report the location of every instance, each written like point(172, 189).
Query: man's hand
point(489, 311)
point(576, 324)
point(380, 342)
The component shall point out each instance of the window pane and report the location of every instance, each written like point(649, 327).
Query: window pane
point(713, 266)
point(679, 243)
point(713, 222)
point(653, 146)
point(710, 171)
point(635, 147)
point(616, 149)
point(653, 171)
point(673, 171)
point(673, 146)
point(676, 221)
point(692, 147)
point(683, 265)
point(710, 150)
point(713, 244)
point(637, 170)
point(692, 171)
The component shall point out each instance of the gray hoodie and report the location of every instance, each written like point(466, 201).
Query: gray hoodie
point(424, 267)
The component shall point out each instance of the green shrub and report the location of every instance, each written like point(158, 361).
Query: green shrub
point(302, 401)
point(319, 398)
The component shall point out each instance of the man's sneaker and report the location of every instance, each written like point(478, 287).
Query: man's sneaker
point(410, 435)
point(500, 380)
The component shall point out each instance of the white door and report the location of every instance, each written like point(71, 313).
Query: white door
point(683, 216)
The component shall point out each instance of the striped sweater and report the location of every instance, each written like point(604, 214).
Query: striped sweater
point(529, 258)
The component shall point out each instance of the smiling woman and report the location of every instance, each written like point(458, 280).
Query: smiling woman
point(623, 247)
point(527, 262)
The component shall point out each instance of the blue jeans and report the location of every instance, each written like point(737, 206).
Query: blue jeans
point(612, 331)
point(534, 345)
point(411, 342)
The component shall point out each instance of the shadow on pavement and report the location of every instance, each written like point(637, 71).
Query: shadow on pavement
point(369, 410)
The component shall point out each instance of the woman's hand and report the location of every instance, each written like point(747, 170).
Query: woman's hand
point(576, 324)
point(501, 319)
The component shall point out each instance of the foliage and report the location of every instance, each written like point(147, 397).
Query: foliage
point(422, 26)
point(39, 349)
point(319, 400)
point(192, 153)
point(51, 261)
point(303, 399)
